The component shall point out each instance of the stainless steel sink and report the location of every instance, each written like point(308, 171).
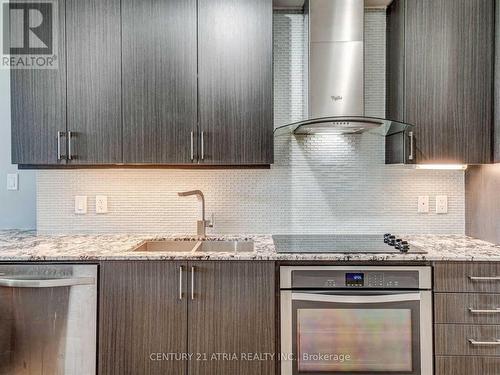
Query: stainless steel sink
point(196, 246)
point(167, 246)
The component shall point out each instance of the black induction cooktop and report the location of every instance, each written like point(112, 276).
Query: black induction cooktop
point(350, 243)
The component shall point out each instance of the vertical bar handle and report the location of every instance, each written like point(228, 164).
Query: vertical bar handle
point(70, 156)
point(193, 269)
point(192, 146)
point(59, 136)
point(412, 146)
point(202, 135)
point(181, 269)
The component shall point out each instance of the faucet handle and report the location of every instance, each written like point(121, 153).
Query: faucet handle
point(211, 222)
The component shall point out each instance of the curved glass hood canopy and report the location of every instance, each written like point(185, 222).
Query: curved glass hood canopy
point(344, 125)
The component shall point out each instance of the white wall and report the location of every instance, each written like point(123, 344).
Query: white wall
point(17, 208)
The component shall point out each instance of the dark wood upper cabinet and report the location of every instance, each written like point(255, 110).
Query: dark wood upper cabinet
point(141, 314)
point(232, 310)
point(235, 81)
point(94, 121)
point(440, 56)
point(496, 153)
point(159, 50)
point(38, 108)
point(170, 82)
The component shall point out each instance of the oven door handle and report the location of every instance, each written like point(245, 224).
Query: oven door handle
point(356, 298)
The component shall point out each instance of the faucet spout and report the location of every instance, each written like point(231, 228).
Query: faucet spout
point(203, 223)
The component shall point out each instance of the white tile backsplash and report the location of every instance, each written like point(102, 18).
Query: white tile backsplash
point(319, 184)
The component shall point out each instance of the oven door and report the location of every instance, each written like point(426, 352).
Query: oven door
point(362, 332)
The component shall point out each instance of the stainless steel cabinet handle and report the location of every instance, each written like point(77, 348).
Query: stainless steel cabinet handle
point(181, 269)
point(193, 269)
point(59, 136)
point(484, 343)
point(45, 283)
point(70, 156)
point(192, 146)
point(484, 278)
point(412, 146)
point(496, 310)
point(202, 135)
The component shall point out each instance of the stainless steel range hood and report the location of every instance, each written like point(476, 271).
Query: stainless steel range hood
point(335, 76)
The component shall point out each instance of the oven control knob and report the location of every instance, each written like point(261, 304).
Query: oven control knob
point(392, 240)
point(403, 246)
point(386, 237)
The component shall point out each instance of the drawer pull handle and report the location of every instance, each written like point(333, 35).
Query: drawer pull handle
point(484, 278)
point(484, 343)
point(480, 311)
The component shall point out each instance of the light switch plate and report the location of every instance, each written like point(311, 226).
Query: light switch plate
point(80, 204)
point(423, 204)
point(12, 181)
point(441, 204)
point(101, 204)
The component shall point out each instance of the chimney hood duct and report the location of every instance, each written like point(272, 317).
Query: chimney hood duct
point(335, 78)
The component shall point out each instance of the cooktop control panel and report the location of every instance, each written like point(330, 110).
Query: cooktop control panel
point(365, 279)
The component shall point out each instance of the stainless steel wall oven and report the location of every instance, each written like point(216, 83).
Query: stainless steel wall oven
point(356, 320)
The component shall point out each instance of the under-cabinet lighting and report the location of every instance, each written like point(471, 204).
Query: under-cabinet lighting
point(443, 167)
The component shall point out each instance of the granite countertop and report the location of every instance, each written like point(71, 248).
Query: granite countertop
point(18, 245)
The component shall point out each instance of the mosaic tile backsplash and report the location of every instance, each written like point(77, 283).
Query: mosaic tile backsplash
point(319, 184)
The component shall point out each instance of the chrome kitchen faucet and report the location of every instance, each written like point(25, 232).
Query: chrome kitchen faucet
point(203, 224)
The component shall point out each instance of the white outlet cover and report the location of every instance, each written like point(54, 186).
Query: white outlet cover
point(101, 204)
point(12, 181)
point(441, 204)
point(80, 204)
point(423, 204)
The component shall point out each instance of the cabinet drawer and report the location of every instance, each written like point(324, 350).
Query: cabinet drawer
point(467, 365)
point(453, 339)
point(472, 308)
point(467, 277)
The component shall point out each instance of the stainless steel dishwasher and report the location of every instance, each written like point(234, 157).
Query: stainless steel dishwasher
point(48, 319)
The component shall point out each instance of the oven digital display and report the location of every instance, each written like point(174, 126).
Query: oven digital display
point(355, 279)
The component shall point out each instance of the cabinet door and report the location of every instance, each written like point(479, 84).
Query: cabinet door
point(159, 80)
point(467, 365)
point(38, 108)
point(231, 311)
point(94, 81)
point(449, 77)
point(235, 81)
point(141, 314)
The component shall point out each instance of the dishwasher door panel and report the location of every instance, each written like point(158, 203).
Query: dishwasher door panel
point(48, 317)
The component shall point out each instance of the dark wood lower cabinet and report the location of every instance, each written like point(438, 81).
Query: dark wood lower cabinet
point(232, 316)
point(455, 365)
point(466, 299)
point(223, 322)
point(141, 317)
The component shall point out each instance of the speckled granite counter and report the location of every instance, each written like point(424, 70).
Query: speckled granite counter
point(27, 246)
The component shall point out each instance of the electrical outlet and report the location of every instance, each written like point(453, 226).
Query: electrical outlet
point(12, 181)
point(101, 204)
point(441, 204)
point(81, 204)
point(423, 204)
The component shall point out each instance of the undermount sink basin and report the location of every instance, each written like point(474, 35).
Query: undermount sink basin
point(167, 246)
point(196, 246)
